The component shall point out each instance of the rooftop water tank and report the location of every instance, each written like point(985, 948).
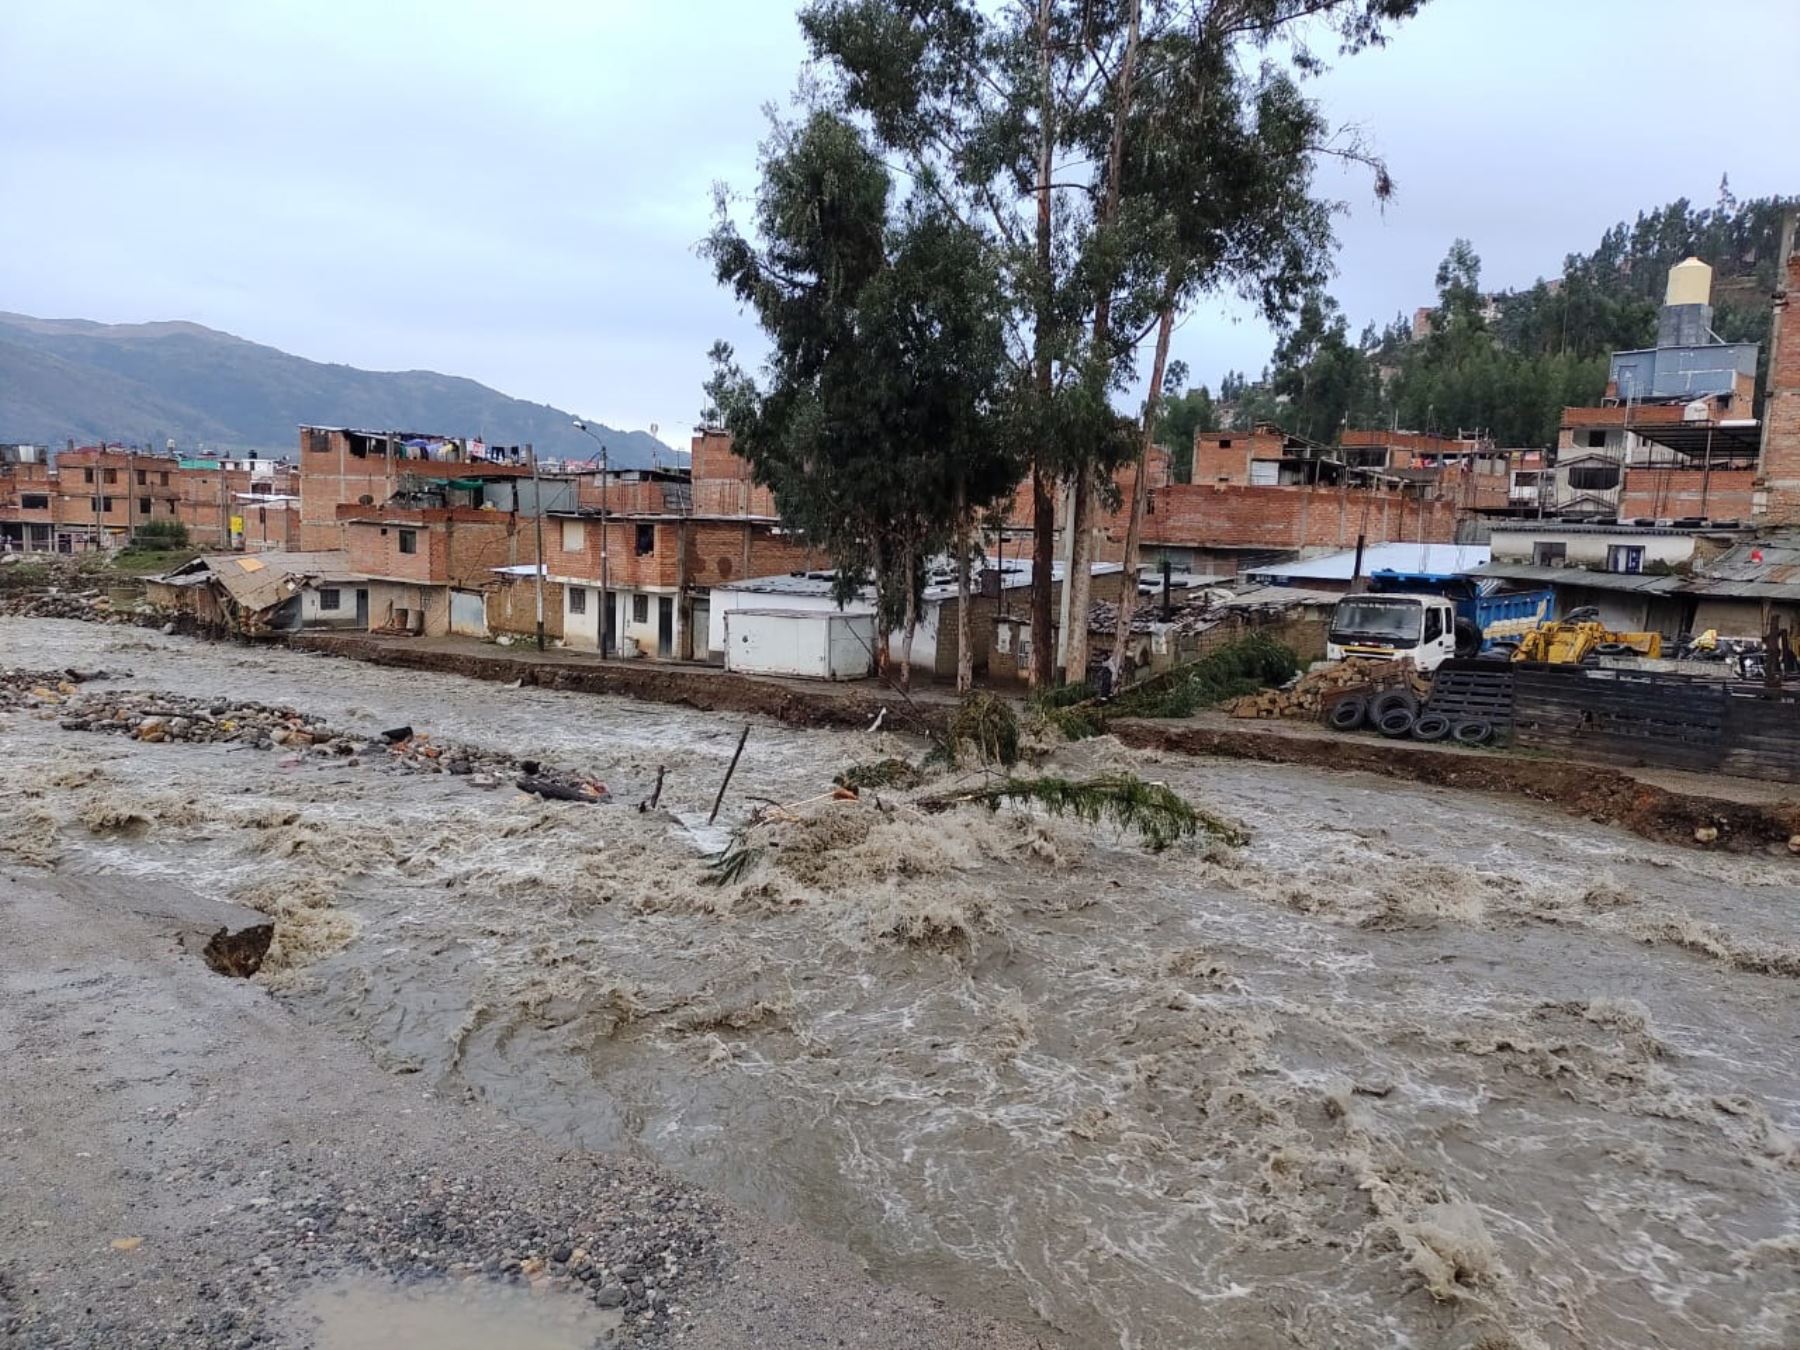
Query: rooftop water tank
point(1690, 283)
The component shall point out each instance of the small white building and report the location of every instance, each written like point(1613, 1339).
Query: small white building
point(992, 589)
point(820, 644)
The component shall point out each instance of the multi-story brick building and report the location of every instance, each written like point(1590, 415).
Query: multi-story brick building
point(1676, 435)
point(105, 496)
point(1778, 458)
point(636, 572)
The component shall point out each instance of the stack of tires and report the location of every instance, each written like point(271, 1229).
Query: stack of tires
point(1396, 714)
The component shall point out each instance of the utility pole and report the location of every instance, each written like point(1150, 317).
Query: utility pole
point(606, 613)
point(537, 516)
point(606, 600)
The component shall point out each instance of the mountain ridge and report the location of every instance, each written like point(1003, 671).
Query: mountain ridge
point(147, 383)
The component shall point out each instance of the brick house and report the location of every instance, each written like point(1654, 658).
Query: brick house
point(665, 543)
point(104, 496)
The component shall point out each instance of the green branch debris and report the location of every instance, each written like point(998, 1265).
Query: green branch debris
point(1240, 667)
point(1150, 809)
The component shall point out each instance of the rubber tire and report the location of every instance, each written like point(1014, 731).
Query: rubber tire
point(1347, 713)
point(1387, 701)
point(1474, 731)
point(1395, 723)
point(1468, 639)
point(1431, 727)
point(1613, 649)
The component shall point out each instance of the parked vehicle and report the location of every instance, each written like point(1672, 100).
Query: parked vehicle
point(1391, 627)
point(1581, 636)
point(1488, 614)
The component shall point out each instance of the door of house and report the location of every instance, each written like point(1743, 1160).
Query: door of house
point(665, 625)
point(699, 630)
point(362, 606)
point(468, 613)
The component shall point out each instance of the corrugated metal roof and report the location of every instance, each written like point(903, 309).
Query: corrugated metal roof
point(1436, 558)
point(1762, 562)
point(1576, 576)
point(1741, 590)
point(1551, 527)
point(257, 581)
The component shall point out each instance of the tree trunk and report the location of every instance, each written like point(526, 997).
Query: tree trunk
point(1082, 502)
point(1140, 490)
point(883, 658)
point(1043, 501)
point(965, 653)
point(912, 618)
point(1080, 581)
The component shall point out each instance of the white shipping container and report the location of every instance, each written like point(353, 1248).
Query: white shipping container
point(819, 644)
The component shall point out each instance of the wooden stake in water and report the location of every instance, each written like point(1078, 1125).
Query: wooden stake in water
point(730, 769)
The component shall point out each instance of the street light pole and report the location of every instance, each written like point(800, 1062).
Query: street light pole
point(606, 612)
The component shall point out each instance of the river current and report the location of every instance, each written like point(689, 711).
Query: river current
point(1411, 1068)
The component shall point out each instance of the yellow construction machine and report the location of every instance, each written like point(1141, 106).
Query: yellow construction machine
point(1572, 640)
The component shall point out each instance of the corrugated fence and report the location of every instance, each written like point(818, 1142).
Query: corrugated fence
point(1633, 718)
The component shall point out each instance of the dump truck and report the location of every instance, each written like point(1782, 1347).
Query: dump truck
point(1391, 627)
point(1489, 609)
point(1430, 617)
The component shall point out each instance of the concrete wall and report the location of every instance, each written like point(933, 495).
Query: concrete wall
point(1589, 548)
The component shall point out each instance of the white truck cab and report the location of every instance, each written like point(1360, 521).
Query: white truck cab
point(1390, 627)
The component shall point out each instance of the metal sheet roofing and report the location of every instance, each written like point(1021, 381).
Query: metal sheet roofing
point(1576, 576)
point(1443, 558)
point(257, 581)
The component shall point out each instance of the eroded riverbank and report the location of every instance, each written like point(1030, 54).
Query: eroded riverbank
point(1415, 1067)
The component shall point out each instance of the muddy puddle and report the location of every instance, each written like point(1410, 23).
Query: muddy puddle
point(367, 1314)
point(1413, 1068)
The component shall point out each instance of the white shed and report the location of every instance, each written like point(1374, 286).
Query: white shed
point(825, 644)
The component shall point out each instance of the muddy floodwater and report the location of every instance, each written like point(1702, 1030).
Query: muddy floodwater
point(1412, 1068)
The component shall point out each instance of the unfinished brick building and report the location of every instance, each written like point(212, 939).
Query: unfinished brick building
point(102, 496)
point(664, 541)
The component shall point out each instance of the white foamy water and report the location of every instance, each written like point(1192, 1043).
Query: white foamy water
point(1414, 1068)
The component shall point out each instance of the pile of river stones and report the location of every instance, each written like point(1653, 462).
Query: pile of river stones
point(91, 606)
point(158, 717)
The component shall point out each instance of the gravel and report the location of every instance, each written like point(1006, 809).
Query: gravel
point(157, 717)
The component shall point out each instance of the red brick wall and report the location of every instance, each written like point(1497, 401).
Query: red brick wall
point(331, 476)
point(716, 553)
point(1663, 493)
point(456, 547)
point(722, 485)
point(1781, 408)
point(1195, 515)
point(1224, 456)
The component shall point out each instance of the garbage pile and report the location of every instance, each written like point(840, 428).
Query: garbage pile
point(157, 717)
point(1306, 698)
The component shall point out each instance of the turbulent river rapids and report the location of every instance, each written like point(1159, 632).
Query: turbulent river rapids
point(1411, 1068)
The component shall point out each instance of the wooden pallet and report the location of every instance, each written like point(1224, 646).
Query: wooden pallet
point(1470, 690)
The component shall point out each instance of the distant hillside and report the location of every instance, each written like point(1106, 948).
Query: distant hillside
point(147, 382)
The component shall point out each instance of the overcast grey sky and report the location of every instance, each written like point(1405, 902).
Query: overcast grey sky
point(512, 191)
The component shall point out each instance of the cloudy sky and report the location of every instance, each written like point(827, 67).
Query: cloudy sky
point(512, 191)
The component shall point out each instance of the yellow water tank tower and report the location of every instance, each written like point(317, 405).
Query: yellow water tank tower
point(1690, 283)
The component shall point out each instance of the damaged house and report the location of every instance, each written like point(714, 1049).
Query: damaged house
point(263, 594)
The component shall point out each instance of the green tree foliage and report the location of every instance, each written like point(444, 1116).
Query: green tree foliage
point(1099, 146)
point(1544, 348)
point(1328, 381)
point(875, 422)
